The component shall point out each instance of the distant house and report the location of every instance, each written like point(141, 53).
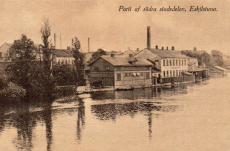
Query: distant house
point(218, 71)
point(199, 72)
point(61, 57)
point(4, 51)
point(120, 72)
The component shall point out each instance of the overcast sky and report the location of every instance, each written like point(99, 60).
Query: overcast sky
point(110, 29)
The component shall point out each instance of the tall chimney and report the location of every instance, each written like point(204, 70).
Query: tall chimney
point(148, 38)
point(88, 46)
point(60, 42)
point(54, 40)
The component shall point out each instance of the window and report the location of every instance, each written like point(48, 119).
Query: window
point(147, 75)
point(173, 62)
point(107, 68)
point(126, 74)
point(184, 62)
point(164, 73)
point(167, 62)
point(167, 75)
point(141, 74)
point(163, 62)
point(118, 77)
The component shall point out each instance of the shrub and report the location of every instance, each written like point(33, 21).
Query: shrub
point(12, 92)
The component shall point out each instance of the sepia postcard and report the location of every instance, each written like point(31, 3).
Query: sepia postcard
point(117, 75)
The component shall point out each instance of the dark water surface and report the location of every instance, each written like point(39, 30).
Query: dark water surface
point(184, 118)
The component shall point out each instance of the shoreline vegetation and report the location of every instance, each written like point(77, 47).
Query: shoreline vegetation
point(31, 73)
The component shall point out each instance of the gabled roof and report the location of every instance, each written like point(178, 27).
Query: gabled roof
point(167, 53)
point(62, 53)
point(194, 68)
point(124, 61)
point(218, 67)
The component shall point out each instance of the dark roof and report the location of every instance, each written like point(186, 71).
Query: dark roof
point(167, 53)
point(62, 53)
point(193, 69)
point(124, 61)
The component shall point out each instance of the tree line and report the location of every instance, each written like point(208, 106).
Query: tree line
point(31, 73)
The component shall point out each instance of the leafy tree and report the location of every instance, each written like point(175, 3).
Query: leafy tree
point(78, 62)
point(22, 53)
point(217, 58)
point(64, 75)
point(202, 56)
point(24, 69)
point(97, 54)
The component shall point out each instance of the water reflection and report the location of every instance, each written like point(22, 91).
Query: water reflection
point(80, 121)
point(147, 93)
point(105, 107)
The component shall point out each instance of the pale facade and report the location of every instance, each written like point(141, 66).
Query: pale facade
point(64, 60)
point(170, 62)
point(173, 67)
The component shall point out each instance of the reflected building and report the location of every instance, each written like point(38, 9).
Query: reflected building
point(146, 93)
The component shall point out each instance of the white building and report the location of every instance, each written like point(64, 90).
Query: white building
point(171, 63)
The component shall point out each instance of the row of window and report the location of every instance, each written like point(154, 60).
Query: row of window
point(174, 62)
point(147, 75)
point(65, 61)
point(172, 73)
point(134, 74)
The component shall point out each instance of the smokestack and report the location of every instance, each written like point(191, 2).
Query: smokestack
point(88, 46)
point(60, 42)
point(148, 38)
point(54, 40)
point(172, 47)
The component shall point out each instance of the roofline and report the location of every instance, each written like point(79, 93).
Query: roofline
point(185, 57)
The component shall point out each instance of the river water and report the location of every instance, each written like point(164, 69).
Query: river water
point(189, 117)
